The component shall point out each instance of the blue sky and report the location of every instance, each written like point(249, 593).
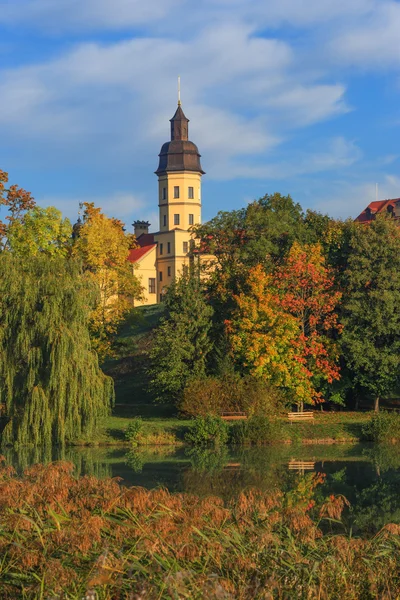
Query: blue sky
point(295, 96)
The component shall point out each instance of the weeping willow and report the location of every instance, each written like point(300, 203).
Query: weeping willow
point(51, 386)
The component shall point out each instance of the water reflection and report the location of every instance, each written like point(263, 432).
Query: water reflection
point(368, 476)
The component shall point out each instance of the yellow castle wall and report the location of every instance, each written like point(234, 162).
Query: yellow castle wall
point(145, 269)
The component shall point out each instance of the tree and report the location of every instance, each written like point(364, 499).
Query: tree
point(40, 231)
point(17, 202)
point(306, 289)
point(261, 233)
point(262, 333)
point(50, 381)
point(103, 246)
point(182, 343)
point(371, 316)
point(280, 330)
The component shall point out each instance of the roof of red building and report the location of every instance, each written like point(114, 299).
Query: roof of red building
point(146, 239)
point(376, 207)
point(138, 253)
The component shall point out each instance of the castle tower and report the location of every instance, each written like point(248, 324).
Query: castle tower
point(179, 199)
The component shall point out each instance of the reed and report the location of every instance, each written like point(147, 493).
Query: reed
point(64, 537)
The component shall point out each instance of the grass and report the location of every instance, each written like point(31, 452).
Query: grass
point(67, 537)
point(328, 427)
point(159, 429)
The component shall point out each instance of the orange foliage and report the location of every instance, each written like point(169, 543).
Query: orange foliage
point(16, 200)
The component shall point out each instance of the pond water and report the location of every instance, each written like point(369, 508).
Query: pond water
point(367, 475)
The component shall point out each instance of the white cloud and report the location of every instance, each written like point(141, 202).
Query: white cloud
point(372, 43)
point(57, 15)
point(304, 105)
point(120, 14)
point(336, 153)
point(103, 101)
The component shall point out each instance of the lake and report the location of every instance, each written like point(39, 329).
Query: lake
point(367, 475)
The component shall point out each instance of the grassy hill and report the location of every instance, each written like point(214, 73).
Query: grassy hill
point(129, 370)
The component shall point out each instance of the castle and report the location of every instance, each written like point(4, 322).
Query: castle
point(162, 256)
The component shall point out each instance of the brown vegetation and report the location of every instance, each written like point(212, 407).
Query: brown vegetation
point(66, 537)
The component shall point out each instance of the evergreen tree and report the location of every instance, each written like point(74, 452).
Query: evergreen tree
point(182, 343)
point(50, 382)
point(371, 307)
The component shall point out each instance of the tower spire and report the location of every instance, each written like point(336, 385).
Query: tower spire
point(179, 90)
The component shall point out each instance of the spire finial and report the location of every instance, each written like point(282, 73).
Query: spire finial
point(179, 90)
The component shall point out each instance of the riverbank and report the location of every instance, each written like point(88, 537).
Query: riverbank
point(327, 428)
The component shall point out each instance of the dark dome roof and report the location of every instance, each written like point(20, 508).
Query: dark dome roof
point(179, 155)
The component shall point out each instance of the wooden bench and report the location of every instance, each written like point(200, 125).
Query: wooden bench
point(301, 465)
point(233, 416)
point(300, 416)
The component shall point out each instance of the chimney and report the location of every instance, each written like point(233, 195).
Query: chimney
point(141, 227)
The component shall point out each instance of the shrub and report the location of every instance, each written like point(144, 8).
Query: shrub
point(257, 430)
point(229, 393)
point(133, 431)
point(383, 427)
point(207, 430)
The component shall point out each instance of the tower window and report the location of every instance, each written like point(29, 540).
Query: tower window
point(176, 191)
point(190, 193)
point(185, 247)
point(191, 219)
point(165, 220)
point(152, 285)
point(161, 248)
point(160, 276)
point(176, 219)
point(164, 193)
point(169, 271)
point(169, 247)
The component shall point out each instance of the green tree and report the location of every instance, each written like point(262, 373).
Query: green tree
point(182, 340)
point(50, 382)
point(40, 231)
point(371, 315)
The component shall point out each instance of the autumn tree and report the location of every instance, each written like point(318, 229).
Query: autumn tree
point(16, 202)
point(371, 315)
point(306, 289)
point(51, 387)
point(182, 340)
point(103, 246)
point(281, 328)
point(262, 334)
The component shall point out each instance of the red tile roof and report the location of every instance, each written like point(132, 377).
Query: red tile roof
point(376, 207)
point(138, 253)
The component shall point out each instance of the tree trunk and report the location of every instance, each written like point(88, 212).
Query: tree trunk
point(301, 407)
point(376, 404)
